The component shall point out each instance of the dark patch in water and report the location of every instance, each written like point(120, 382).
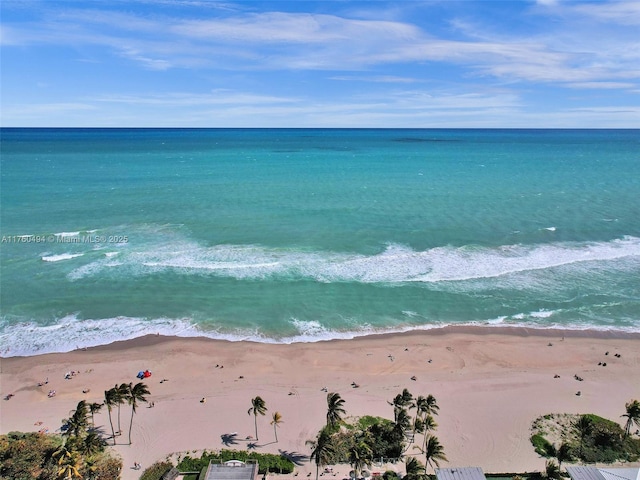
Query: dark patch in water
point(420, 140)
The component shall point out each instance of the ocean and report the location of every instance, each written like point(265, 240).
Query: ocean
point(303, 235)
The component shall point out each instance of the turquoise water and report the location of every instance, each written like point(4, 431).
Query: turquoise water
point(305, 235)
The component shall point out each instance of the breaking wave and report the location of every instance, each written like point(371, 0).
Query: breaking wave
point(395, 264)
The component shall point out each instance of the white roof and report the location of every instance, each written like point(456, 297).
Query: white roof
point(584, 473)
point(620, 473)
point(594, 473)
point(460, 473)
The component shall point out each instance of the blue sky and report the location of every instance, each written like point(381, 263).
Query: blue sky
point(207, 63)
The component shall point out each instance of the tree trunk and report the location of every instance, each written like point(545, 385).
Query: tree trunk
point(113, 432)
point(255, 419)
point(130, 425)
point(119, 428)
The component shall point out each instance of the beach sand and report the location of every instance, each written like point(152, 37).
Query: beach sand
point(490, 383)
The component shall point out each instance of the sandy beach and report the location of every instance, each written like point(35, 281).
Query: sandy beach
point(490, 383)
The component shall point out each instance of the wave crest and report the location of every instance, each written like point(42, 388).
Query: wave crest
point(396, 263)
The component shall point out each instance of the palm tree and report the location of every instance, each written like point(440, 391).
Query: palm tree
point(400, 401)
point(322, 450)
point(277, 420)
point(77, 423)
point(136, 394)
point(433, 452)
point(91, 444)
point(68, 471)
point(431, 406)
point(584, 425)
point(415, 470)
point(122, 397)
point(335, 408)
point(418, 426)
point(110, 401)
point(551, 471)
point(403, 420)
point(94, 408)
point(61, 452)
point(258, 406)
point(360, 456)
point(428, 425)
point(68, 464)
point(563, 454)
point(420, 403)
point(116, 397)
point(632, 415)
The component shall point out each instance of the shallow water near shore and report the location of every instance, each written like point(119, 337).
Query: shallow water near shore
point(306, 235)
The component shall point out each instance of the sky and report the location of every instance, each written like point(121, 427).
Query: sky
point(343, 63)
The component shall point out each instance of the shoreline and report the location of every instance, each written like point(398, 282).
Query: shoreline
point(490, 383)
point(516, 330)
point(480, 330)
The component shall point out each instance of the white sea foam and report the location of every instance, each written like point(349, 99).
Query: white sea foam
point(62, 256)
point(542, 314)
point(70, 333)
point(529, 318)
point(397, 263)
point(551, 229)
point(310, 331)
point(67, 234)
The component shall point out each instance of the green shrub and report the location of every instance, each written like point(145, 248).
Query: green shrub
point(30, 456)
point(107, 467)
point(156, 471)
point(27, 456)
point(390, 475)
point(266, 461)
point(605, 442)
point(542, 445)
point(367, 421)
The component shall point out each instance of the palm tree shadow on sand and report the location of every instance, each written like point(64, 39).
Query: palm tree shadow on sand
point(229, 439)
point(297, 458)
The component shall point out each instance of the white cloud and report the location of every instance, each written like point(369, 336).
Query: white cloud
point(603, 85)
point(279, 27)
point(624, 12)
point(375, 79)
point(151, 63)
point(303, 41)
point(184, 99)
point(573, 45)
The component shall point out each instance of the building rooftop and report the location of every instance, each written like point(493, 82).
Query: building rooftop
point(594, 473)
point(460, 473)
point(232, 470)
point(620, 473)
